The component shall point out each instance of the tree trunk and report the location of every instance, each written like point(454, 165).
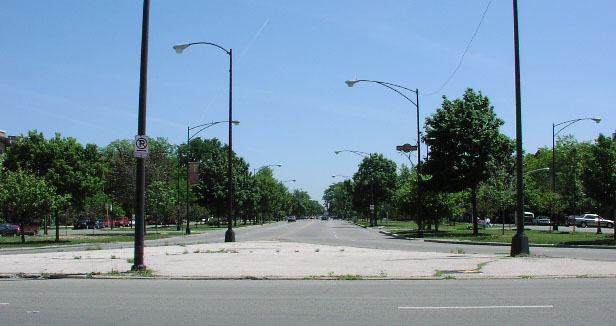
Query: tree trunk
point(474, 200)
point(57, 226)
point(23, 237)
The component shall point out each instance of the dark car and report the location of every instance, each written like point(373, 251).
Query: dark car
point(81, 223)
point(291, 219)
point(7, 229)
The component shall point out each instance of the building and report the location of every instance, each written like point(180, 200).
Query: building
point(5, 142)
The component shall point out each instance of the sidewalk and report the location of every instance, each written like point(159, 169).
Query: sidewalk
point(283, 260)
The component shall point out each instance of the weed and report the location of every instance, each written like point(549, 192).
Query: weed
point(317, 250)
point(130, 260)
point(438, 273)
point(114, 257)
point(450, 277)
point(582, 276)
point(330, 274)
point(349, 277)
point(277, 250)
point(76, 257)
point(460, 250)
point(342, 250)
point(114, 272)
point(197, 251)
point(221, 251)
point(185, 251)
point(182, 245)
point(383, 274)
point(94, 248)
point(166, 243)
point(45, 275)
point(145, 273)
point(526, 277)
point(296, 250)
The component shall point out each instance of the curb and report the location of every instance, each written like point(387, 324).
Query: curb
point(21, 276)
point(475, 243)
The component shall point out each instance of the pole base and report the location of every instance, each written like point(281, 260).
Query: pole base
point(555, 228)
point(139, 267)
point(187, 230)
point(519, 245)
point(420, 233)
point(230, 236)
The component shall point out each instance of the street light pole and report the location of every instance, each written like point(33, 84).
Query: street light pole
point(395, 88)
point(188, 138)
point(554, 133)
point(229, 235)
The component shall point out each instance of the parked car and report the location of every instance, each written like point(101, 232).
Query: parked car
point(101, 224)
point(291, 219)
point(542, 220)
point(8, 230)
point(324, 218)
point(587, 220)
point(123, 221)
point(28, 229)
point(81, 223)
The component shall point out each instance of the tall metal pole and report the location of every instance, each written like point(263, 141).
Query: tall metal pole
point(519, 242)
point(187, 180)
point(140, 196)
point(420, 233)
point(553, 179)
point(230, 234)
point(179, 221)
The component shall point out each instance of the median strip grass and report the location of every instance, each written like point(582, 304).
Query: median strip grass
point(49, 240)
point(464, 232)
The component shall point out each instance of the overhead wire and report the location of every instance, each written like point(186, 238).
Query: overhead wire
point(465, 51)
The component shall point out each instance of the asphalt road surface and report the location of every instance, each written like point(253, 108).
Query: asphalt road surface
point(173, 302)
point(338, 233)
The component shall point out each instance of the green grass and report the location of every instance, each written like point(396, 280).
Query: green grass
point(534, 236)
point(49, 240)
point(464, 231)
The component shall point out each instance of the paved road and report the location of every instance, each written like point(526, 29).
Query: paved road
point(340, 233)
point(445, 302)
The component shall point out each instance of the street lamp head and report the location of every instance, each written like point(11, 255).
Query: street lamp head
point(597, 120)
point(337, 152)
point(180, 47)
point(351, 83)
point(235, 122)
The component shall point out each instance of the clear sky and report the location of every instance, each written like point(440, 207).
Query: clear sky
point(73, 67)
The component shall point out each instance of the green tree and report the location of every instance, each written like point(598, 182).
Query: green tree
point(599, 174)
point(464, 138)
point(75, 171)
point(25, 198)
point(160, 201)
point(375, 183)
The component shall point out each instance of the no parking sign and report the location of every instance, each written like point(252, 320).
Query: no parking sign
point(142, 146)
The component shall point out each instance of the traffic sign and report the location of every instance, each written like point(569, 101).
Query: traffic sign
point(142, 146)
point(406, 148)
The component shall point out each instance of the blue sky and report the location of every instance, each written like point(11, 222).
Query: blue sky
point(73, 67)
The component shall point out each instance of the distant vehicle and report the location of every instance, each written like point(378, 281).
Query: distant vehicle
point(587, 220)
point(528, 217)
point(324, 218)
point(8, 230)
point(101, 224)
point(542, 220)
point(81, 223)
point(123, 221)
point(291, 219)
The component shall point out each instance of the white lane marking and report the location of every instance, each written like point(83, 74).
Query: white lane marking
point(4, 303)
point(335, 236)
point(477, 307)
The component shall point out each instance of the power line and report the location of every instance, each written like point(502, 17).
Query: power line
point(465, 51)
